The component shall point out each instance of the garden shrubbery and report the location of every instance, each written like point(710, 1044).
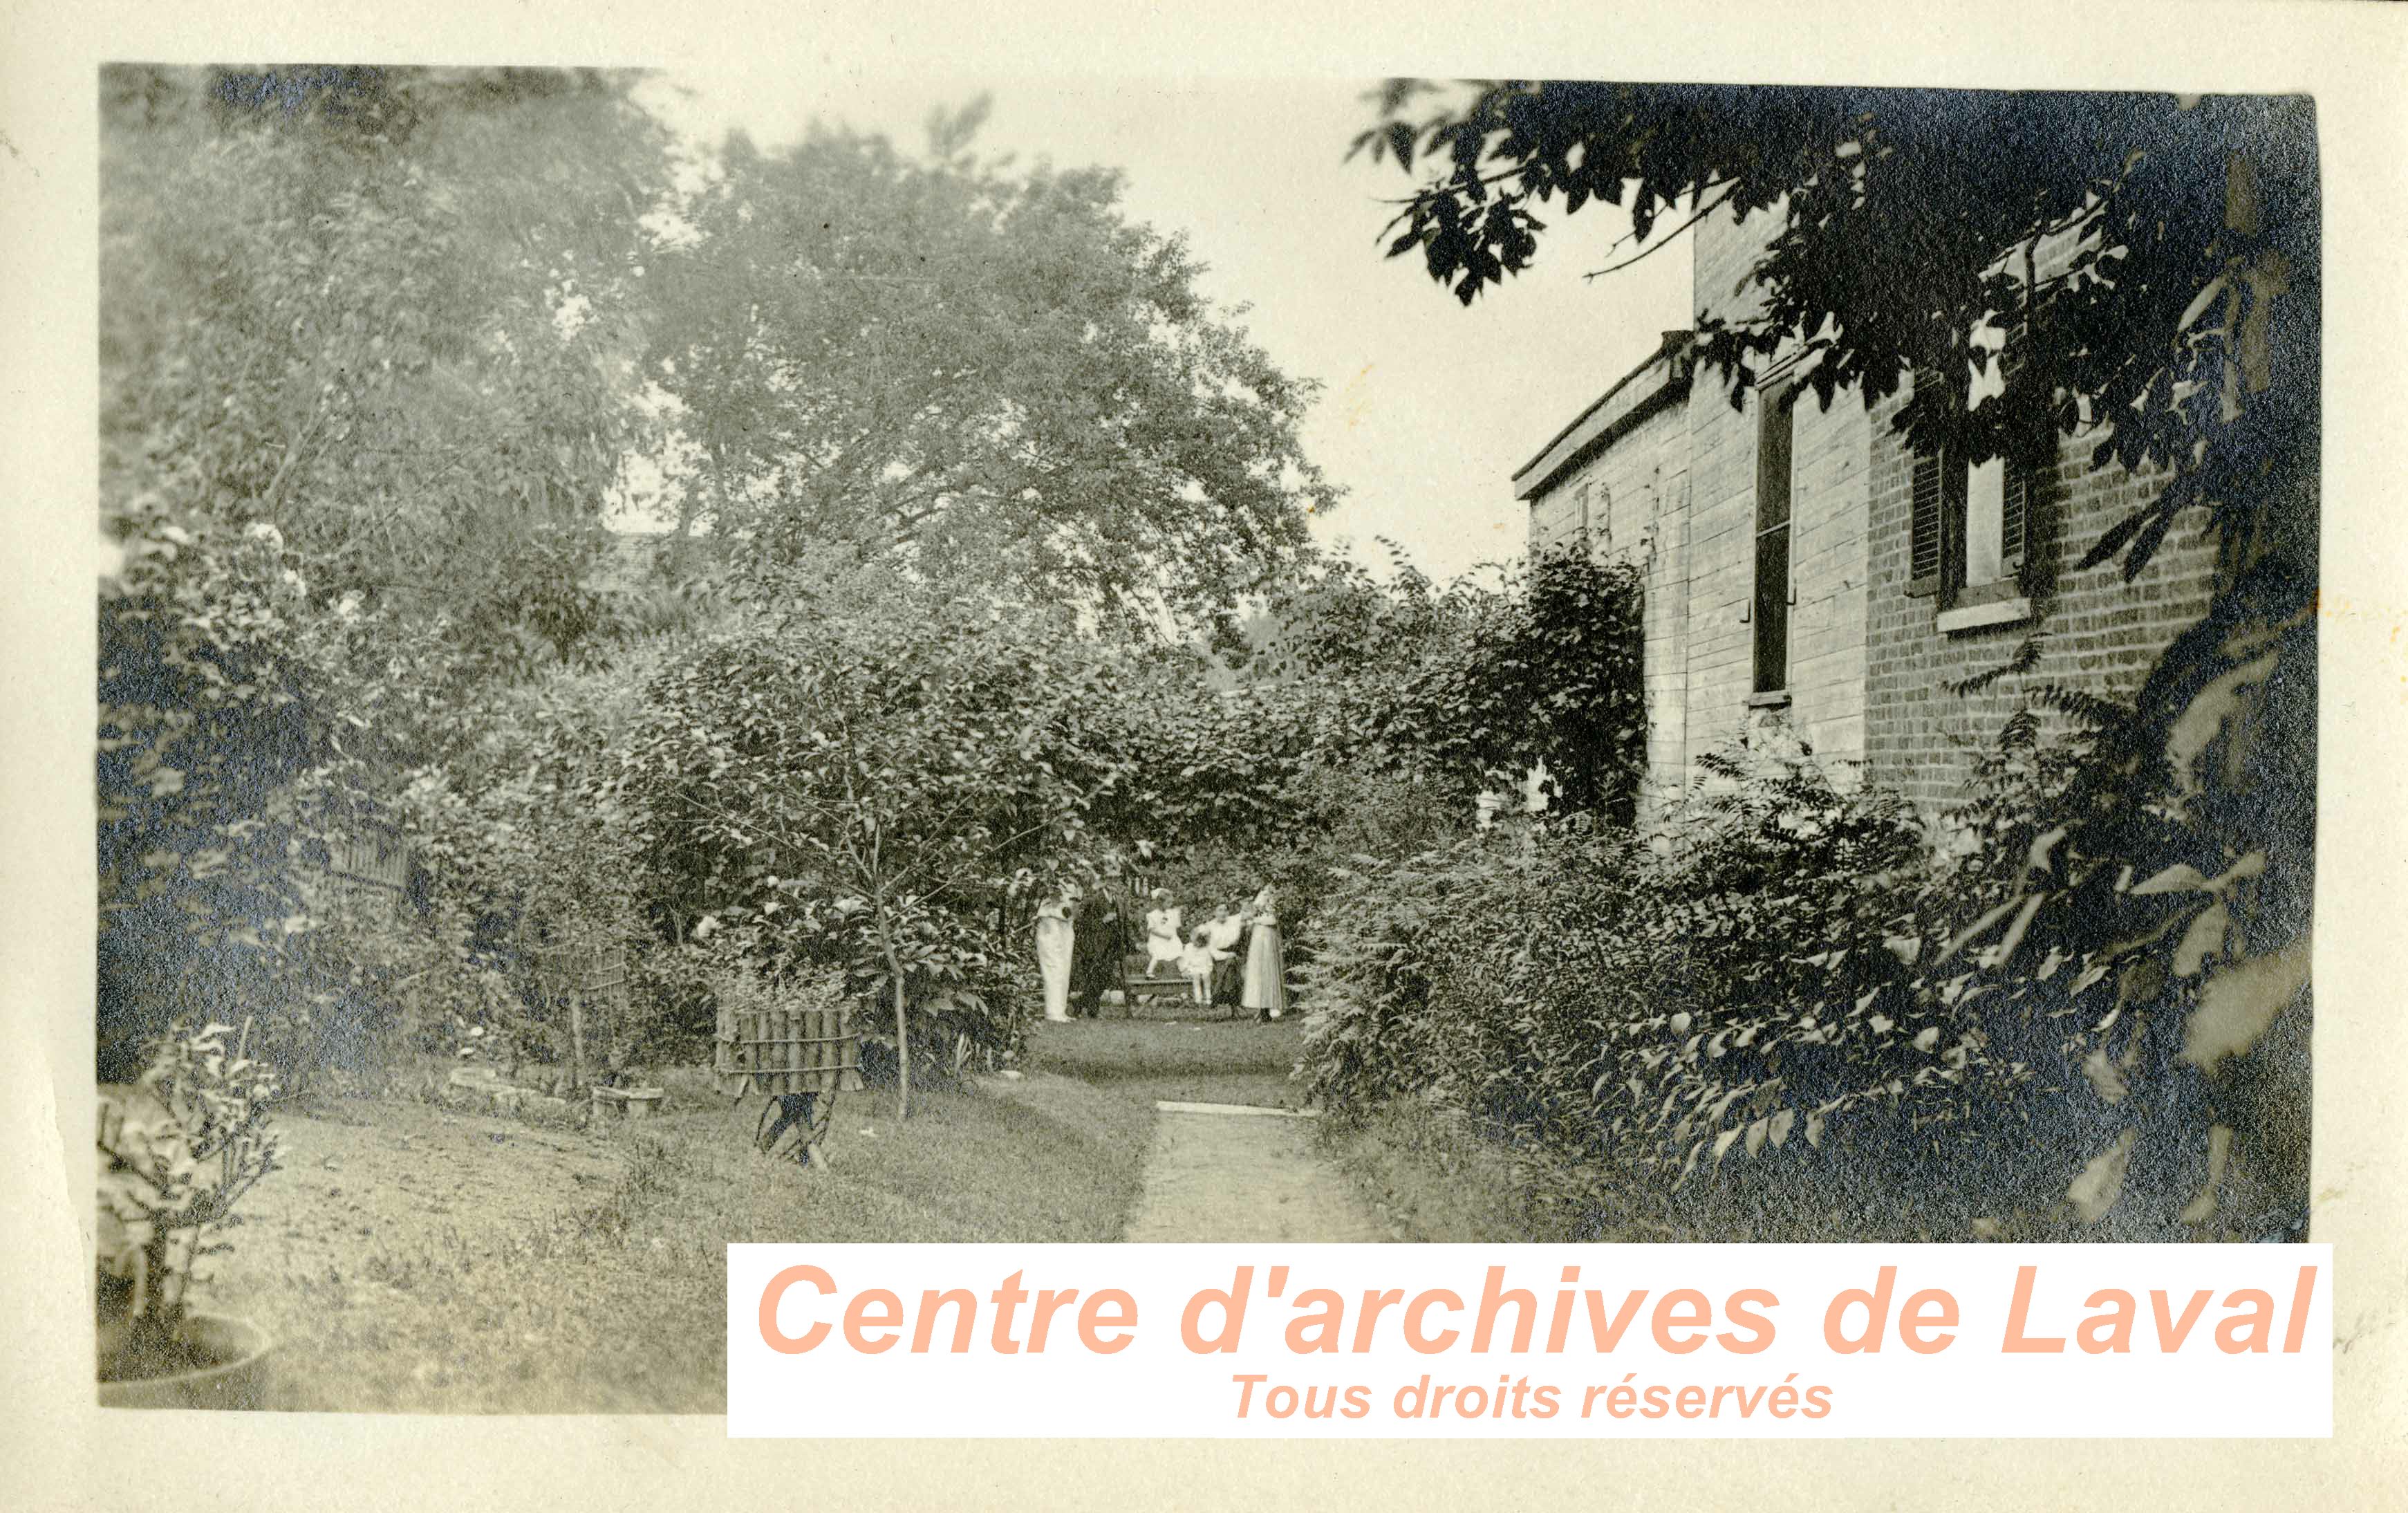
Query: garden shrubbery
point(1792, 1006)
point(359, 446)
point(1572, 986)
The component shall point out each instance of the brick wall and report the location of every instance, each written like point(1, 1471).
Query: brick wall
point(2100, 634)
point(1830, 450)
point(1867, 665)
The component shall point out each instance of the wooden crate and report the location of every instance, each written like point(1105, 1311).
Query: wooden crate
point(779, 1051)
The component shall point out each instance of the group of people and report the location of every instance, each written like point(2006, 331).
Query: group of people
point(1208, 956)
point(1238, 953)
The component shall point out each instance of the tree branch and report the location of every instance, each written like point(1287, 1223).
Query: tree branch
point(1668, 238)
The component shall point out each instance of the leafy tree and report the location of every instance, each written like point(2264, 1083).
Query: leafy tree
point(389, 313)
point(364, 388)
point(216, 728)
point(1469, 684)
point(971, 368)
point(876, 782)
point(2181, 334)
point(1545, 673)
point(531, 856)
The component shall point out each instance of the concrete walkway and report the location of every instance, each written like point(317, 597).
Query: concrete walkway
point(1243, 1174)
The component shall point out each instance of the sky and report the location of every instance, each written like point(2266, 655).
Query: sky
point(1426, 408)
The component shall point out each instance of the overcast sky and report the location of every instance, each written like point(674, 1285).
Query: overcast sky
point(1426, 408)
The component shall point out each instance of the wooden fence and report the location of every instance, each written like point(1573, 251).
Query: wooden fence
point(785, 1051)
point(369, 874)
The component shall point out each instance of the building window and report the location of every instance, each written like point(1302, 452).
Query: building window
point(1971, 521)
point(1596, 515)
point(1776, 424)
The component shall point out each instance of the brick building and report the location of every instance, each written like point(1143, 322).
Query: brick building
point(1806, 575)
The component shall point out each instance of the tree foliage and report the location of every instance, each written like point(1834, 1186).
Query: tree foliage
point(963, 364)
point(875, 782)
point(389, 313)
point(1471, 686)
point(378, 345)
point(2181, 332)
point(2178, 334)
point(365, 386)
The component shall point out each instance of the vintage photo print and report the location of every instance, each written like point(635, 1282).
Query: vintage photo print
point(1291, 644)
point(676, 680)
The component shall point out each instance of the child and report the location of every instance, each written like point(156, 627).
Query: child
point(1162, 933)
point(1196, 965)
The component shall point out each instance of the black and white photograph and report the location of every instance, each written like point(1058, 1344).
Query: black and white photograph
point(1664, 660)
point(1395, 661)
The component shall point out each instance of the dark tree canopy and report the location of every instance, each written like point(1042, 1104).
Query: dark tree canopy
point(1907, 216)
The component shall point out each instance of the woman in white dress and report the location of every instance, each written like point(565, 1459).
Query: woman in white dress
point(1053, 954)
point(1162, 943)
point(1265, 990)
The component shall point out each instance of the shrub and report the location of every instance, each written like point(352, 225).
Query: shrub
point(1790, 968)
point(1548, 672)
point(1755, 988)
point(875, 785)
point(178, 1152)
point(215, 715)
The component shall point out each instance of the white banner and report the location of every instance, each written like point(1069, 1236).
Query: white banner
point(1462, 1342)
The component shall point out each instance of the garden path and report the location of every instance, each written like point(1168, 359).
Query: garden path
point(1244, 1176)
point(1248, 1169)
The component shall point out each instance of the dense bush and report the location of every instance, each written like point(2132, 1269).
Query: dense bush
point(1470, 687)
point(1545, 673)
point(215, 772)
point(877, 783)
point(1793, 974)
point(1368, 717)
point(1568, 982)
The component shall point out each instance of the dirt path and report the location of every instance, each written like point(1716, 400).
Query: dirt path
point(1244, 1176)
point(1210, 1177)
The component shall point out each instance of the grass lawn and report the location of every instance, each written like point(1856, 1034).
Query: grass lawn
point(1158, 1054)
point(1440, 1182)
point(410, 1259)
point(1438, 1178)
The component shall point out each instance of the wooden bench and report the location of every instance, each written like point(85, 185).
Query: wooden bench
point(1137, 983)
point(1156, 987)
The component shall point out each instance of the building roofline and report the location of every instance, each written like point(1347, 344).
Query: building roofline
point(1603, 420)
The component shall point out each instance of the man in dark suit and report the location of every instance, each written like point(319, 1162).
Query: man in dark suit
point(1099, 945)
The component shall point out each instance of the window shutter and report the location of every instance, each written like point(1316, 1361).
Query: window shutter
point(1928, 555)
point(2014, 503)
point(1774, 455)
point(2015, 513)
